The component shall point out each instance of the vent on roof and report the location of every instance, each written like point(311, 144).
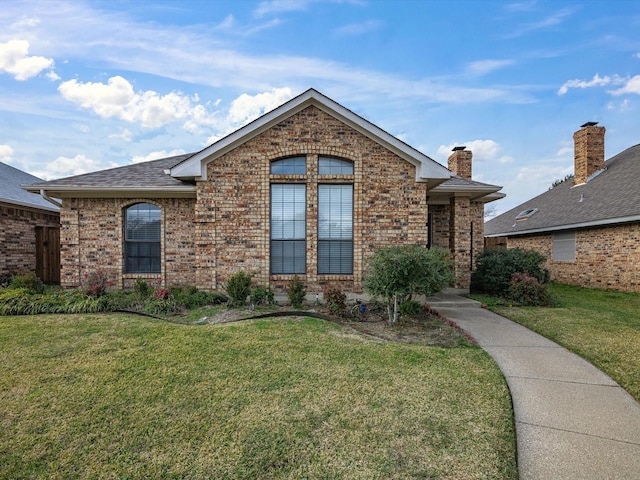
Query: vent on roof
point(456, 149)
point(526, 214)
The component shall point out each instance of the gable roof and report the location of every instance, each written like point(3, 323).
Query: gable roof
point(11, 192)
point(427, 169)
point(612, 196)
point(142, 178)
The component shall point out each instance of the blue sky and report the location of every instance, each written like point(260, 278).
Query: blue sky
point(95, 84)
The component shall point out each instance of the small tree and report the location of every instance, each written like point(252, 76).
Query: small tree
point(397, 273)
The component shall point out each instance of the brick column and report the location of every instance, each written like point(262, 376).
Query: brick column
point(460, 239)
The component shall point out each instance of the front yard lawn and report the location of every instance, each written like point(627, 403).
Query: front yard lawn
point(602, 326)
point(122, 396)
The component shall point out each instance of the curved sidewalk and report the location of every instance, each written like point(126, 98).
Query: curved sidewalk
point(572, 421)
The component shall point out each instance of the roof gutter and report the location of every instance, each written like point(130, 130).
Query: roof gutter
point(43, 194)
point(557, 228)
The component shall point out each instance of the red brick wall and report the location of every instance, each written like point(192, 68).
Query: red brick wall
point(91, 240)
point(18, 237)
point(232, 219)
point(606, 257)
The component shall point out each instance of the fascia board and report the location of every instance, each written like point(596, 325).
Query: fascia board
point(64, 191)
point(572, 226)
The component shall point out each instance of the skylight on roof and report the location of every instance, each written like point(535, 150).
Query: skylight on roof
point(526, 214)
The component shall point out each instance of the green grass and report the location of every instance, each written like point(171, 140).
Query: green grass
point(602, 326)
point(121, 396)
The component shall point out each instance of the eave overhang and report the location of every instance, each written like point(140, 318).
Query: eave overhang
point(66, 191)
point(26, 205)
point(484, 193)
point(427, 170)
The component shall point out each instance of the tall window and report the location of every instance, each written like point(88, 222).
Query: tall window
point(142, 238)
point(288, 228)
point(335, 229)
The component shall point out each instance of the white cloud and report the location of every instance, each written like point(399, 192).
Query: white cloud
point(246, 107)
point(631, 85)
point(483, 151)
point(6, 154)
point(482, 67)
point(157, 155)
point(63, 166)
point(596, 81)
point(14, 59)
point(125, 134)
point(360, 28)
point(117, 99)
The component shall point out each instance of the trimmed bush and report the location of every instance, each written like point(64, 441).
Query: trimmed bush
point(409, 308)
point(261, 296)
point(296, 292)
point(527, 290)
point(336, 300)
point(238, 289)
point(397, 273)
point(28, 281)
point(96, 284)
point(495, 267)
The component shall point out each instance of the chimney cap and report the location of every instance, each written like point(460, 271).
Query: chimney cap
point(589, 124)
point(455, 149)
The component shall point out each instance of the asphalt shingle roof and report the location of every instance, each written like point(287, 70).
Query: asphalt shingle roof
point(144, 174)
point(10, 192)
point(612, 195)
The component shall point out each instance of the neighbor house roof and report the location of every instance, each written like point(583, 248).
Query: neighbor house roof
point(609, 197)
point(142, 178)
point(11, 192)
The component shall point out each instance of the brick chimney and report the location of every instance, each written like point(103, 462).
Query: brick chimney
point(460, 162)
point(588, 152)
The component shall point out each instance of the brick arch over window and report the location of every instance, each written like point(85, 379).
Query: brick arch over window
point(142, 238)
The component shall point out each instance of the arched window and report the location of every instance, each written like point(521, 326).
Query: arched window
point(289, 166)
point(142, 238)
point(334, 166)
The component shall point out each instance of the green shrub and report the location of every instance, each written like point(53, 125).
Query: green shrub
point(296, 292)
point(527, 290)
point(190, 297)
point(261, 296)
point(142, 288)
point(160, 306)
point(336, 300)
point(495, 267)
point(238, 289)
point(28, 281)
point(410, 308)
point(397, 273)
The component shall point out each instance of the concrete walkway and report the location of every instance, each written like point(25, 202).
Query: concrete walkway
point(572, 421)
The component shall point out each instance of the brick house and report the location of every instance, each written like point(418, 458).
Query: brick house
point(29, 228)
point(308, 189)
point(587, 227)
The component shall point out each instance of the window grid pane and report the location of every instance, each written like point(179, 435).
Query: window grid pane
point(334, 166)
point(142, 239)
point(335, 229)
point(288, 228)
point(289, 166)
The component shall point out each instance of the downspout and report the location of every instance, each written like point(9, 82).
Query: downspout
point(44, 195)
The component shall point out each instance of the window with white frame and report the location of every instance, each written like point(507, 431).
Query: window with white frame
point(142, 238)
point(335, 229)
point(288, 228)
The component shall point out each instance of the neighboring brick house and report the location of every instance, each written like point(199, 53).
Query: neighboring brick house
point(29, 227)
point(588, 227)
point(308, 189)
